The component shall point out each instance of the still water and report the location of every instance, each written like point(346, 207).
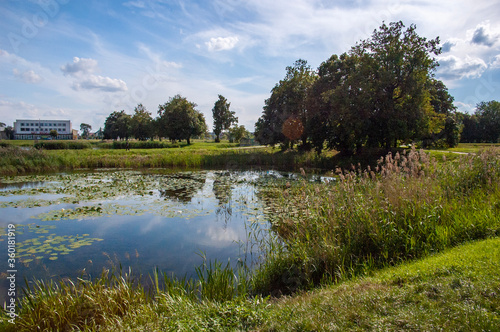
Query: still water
point(76, 225)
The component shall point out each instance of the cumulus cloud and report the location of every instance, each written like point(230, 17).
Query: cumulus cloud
point(482, 37)
point(83, 71)
point(79, 66)
point(95, 82)
point(447, 46)
point(496, 62)
point(28, 76)
point(222, 43)
point(454, 68)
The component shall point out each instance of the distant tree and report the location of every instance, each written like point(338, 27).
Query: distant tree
point(85, 129)
point(488, 114)
point(9, 131)
point(470, 132)
point(222, 116)
point(287, 106)
point(2, 125)
point(179, 120)
point(236, 133)
point(53, 133)
point(117, 125)
point(142, 123)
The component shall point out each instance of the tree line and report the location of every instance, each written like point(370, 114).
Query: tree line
point(178, 119)
point(381, 93)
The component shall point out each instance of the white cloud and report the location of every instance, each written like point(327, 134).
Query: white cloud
point(80, 66)
point(24, 110)
point(496, 62)
point(484, 35)
point(454, 68)
point(101, 83)
point(28, 76)
point(82, 70)
point(222, 43)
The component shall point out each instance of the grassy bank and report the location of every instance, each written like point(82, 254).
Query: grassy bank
point(14, 160)
point(454, 291)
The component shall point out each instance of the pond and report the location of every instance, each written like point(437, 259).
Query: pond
point(76, 225)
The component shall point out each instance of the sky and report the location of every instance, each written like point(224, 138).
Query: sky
point(82, 60)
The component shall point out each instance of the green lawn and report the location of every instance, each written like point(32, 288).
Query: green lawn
point(458, 290)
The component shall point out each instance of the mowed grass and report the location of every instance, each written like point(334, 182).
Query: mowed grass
point(458, 290)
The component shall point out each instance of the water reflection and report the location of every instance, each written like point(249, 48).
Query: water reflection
point(208, 212)
point(20, 185)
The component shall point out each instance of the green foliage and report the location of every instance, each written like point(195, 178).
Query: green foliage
point(287, 107)
point(488, 114)
point(85, 129)
point(236, 133)
point(142, 123)
point(117, 125)
point(222, 116)
point(62, 145)
point(179, 120)
point(379, 94)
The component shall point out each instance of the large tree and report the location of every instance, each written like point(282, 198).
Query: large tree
point(179, 120)
point(488, 114)
point(400, 64)
point(85, 129)
point(142, 123)
point(380, 93)
point(285, 116)
point(117, 125)
point(222, 116)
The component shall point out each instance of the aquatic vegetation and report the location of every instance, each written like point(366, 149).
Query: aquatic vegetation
point(47, 246)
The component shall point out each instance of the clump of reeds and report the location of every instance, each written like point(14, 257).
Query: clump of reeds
point(405, 208)
point(68, 305)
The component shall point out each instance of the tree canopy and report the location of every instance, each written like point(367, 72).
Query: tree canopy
point(222, 116)
point(117, 125)
point(142, 123)
point(179, 120)
point(380, 93)
point(85, 128)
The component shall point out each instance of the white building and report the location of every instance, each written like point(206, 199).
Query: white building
point(40, 129)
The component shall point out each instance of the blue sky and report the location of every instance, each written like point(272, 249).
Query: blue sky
point(82, 60)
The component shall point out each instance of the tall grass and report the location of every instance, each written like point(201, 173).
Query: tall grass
point(62, 145)
point(68, 305)
point(405, 208)
point(18, 161)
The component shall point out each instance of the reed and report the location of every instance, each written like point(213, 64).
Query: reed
point(406, 208)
